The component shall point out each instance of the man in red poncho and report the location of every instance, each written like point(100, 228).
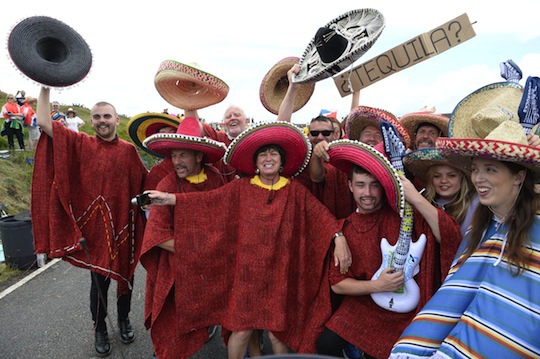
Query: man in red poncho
point(378, 191)
point(189, 154)
point(259, 261)
point(81, 208)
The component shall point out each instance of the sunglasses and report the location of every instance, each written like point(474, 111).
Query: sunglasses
point(324, 133)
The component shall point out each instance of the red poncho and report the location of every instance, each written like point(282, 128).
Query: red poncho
point(359, 320)
point(242, 262)
point(158, 172)
point(82, 188)
point(158, 262)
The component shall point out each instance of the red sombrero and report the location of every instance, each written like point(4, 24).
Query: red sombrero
point(142, 126)
point(346, 153)
point(284, 134)
point(188, 87)
point(187, 137)
point(275, 84)
point(362, 116)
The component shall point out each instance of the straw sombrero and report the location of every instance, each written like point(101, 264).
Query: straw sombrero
point(275, 84)
point(187, 137)
point(470, 118)
point(49, 52)
point(500, 113)
point(362, 116)
point(418, 162)
point(412, 120)
point(288, 136)
point(188, 87)
point(339, 44)
point(346, 153)
point(143, 125)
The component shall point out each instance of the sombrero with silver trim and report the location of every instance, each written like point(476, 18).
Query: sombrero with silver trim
point(188, 87)
point(339, 44)
point(362, 116)
point(346, 153)
point(49, 52)
point(286, 135)
point(144, 125)
point(275, 84)
point(419, 161)
point(187, 137)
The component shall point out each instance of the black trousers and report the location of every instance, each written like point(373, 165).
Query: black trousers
point(17, 132)
point(98, 290)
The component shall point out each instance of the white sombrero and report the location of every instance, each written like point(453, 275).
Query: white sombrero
point(340, 43)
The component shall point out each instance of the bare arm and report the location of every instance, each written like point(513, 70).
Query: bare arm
point(43, 115)
point(426, 209)
point(355, 102)
point(317, 172)
point(287, 105)
point(387, 282)
point(168, 245)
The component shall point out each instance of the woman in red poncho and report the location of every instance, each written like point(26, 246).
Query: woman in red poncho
point(253, 251)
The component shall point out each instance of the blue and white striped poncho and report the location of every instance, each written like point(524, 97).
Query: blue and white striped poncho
point(481, 310)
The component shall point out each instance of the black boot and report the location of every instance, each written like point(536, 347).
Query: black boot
point(127, 335)
point(103, 347)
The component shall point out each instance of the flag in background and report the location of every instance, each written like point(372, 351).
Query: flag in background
point(328, 113)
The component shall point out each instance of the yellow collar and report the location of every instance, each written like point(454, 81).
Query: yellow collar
point(198, 178)
point(256, 180)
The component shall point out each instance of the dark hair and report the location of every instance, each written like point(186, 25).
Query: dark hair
point(358, 170)
point(519, 223)
point(427, 124)
point(324, 119)
point(268, 147)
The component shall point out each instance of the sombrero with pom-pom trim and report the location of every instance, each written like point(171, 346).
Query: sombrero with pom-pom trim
point(144, 125)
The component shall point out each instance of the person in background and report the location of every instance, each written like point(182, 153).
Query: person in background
point(30, 122)
point(13, 122)
point(56, 114)
point(82, 187)
point(73, 122)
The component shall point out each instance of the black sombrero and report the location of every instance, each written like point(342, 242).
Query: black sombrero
point(49, 52)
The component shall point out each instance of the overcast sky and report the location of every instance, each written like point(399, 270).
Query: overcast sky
point(239, 41)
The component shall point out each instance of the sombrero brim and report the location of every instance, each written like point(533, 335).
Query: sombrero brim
point(288, 136)
point(49, 52)
point(142, 126)
point(275, 84)
point(164, 143)
point(354, 25)
point(456, 148)
point(346, 153)
point(412, 120)
point(362, 116)
point(187, 87)
point(418, 162)
point(500, 94)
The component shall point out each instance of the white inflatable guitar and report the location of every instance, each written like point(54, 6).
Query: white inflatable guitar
point(405, 255)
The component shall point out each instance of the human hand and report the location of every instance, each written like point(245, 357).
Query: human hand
point(321, 151)
point(161, 198)
point(390, 280)
point(533, 140)
point(342, 254)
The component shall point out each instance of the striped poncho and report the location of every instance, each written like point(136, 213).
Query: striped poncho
point(481, 310)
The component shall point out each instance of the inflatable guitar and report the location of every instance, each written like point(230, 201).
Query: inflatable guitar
point(405, 255)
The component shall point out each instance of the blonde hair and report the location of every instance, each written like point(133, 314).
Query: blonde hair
point(459, 205)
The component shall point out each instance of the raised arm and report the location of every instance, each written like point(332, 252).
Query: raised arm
point(43, 115)
point(287, 105)
point(317, 173)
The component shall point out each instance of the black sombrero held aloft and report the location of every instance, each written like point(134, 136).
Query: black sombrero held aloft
point(49, 51)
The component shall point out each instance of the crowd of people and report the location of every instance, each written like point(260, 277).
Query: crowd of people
point(264, 228)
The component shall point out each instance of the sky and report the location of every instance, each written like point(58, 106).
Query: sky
point(240, 41)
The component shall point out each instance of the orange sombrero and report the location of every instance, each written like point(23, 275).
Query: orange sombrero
point(411, 121)
point(187, 137)
point(143, 125)
point(289, 137)
point(188, 87)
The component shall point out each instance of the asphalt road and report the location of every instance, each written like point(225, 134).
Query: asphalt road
point(49, 317)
